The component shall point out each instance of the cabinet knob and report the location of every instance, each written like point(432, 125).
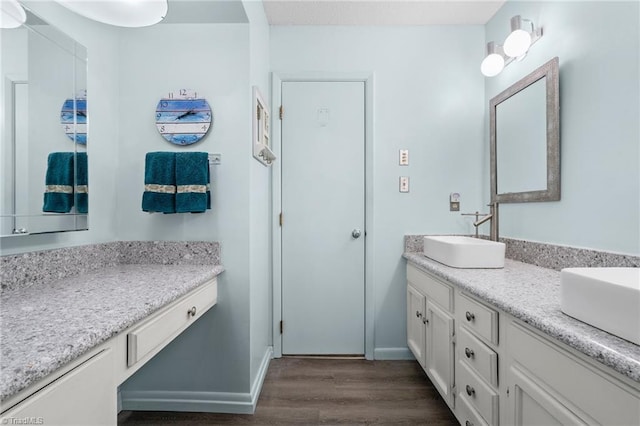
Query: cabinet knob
point(468, 423)
point(192, 312)
point(470, 391)
point(469, 352)
point(470, 317)
point(425, 320)
point(418, 314)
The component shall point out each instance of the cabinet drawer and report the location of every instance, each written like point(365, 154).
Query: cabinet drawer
point(435, 290)
point(478, 355)
point(481, 396)
point(479, 318)
point(467, 415)
point(158, 330)
point(576, 384)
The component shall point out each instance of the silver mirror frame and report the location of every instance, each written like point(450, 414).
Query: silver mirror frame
point(550, 70)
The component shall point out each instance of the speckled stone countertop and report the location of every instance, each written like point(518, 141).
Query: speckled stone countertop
point(532, 294)
point(46, 326)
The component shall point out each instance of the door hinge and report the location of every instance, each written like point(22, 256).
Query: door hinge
point(281, 326)
point(281, 112)
point(280, 219)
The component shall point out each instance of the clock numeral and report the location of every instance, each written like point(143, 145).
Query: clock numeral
point(162, 128)
point(158, 115)
point(204, 127)
point(170, 95)
point(183, 92)
point(165, 104)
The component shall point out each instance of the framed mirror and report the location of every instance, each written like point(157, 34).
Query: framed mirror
point(43, 137)
point(525, 139)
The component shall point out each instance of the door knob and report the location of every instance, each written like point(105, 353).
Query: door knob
point(356, 233)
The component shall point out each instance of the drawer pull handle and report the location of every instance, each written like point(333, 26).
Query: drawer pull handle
point(469, 352)
point(418, 314)
point(192, 312)
point(468, 423)
point(470, 391)
point(470, 317)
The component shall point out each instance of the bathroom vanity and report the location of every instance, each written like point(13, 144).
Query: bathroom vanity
point(67, 344)
point(498, 349)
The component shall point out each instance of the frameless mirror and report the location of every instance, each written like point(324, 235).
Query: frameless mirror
point(525, 139)
point(43, 160)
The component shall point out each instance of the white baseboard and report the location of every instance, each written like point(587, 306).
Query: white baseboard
point(203, 402)
point(392, 354)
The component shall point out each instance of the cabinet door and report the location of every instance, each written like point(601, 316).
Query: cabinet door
point(439, 350)
point(84, 396)
point(531, 404)
point(415, 323)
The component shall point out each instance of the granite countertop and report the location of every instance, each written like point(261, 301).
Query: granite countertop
point(48, 325)
point(532, 294)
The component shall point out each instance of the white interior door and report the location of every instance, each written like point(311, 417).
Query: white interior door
point(323, 205)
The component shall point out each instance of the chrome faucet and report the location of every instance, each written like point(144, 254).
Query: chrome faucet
point(492, 216)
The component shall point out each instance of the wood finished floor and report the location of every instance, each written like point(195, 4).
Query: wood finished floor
point(302, 391)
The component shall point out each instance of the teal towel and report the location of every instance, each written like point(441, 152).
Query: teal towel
point(192, 180)
point(82, 181)
point(160, 182)
point(58, 196)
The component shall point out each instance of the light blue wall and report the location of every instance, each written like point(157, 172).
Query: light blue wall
point(428, 98)
point(213, 354)
point(598, 44)
point(103, 90)
point(260, 200)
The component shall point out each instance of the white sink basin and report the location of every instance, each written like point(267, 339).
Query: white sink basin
point(607, 298)
point(464, 252)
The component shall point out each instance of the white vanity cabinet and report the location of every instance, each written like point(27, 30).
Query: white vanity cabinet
point(84, 395)
point(548, 384)
point(505, 371)
point(84, 391)
point(430, 328)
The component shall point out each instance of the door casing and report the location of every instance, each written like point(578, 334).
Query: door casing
point(369, 286)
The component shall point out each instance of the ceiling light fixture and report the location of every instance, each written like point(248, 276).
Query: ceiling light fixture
point(12, 15)
point(523, 35)
point(121, 13)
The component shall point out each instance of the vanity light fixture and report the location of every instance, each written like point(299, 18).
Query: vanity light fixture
point(523, 34)
point(12, 15)
point(121, 13)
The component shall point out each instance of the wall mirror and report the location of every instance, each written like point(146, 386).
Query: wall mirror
point(43, 145)
point(525, 139)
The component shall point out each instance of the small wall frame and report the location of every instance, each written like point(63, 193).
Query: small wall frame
point(261, 129)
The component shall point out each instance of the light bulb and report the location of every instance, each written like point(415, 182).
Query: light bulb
point(517, 43)
point(122, 13)
point(12, 15)
point(492, 65)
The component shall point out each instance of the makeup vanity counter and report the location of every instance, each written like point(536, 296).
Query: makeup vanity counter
point(499, 350)
point(101, 325)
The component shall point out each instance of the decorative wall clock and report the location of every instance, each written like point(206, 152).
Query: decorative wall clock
point(182, 117)
point(73, 117)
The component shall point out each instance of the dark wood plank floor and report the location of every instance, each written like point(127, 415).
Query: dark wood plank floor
point(303, 391)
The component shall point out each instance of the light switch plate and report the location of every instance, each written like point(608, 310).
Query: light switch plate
point(404, 183)
point(404, 157)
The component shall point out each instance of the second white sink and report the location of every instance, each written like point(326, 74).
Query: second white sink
point(607, 298)
point(464, 252)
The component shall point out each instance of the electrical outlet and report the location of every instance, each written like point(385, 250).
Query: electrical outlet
point(404, 183)
point(404, 157)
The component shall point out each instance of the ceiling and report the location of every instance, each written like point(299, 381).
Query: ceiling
point(380, 12)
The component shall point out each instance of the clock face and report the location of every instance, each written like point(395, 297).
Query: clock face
point(182, 117)
point(73, 117)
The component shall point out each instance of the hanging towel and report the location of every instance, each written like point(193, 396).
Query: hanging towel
point(159, 182)
point(58, 196)
point(192, 180)
point(82, 180)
